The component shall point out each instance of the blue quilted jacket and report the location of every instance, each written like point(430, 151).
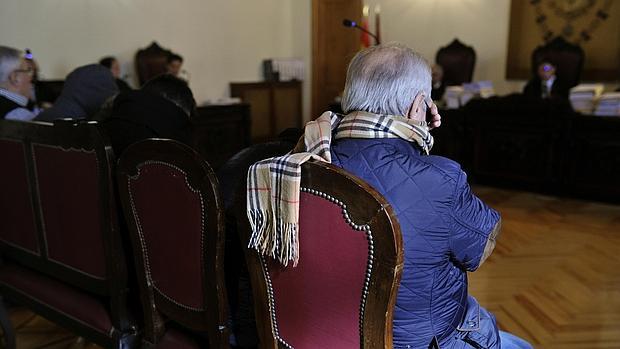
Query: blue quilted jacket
point(445, 231)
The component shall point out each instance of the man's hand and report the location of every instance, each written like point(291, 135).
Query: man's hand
point(419, 112)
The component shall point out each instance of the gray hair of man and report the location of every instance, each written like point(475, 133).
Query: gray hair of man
point(10, 59)
point(385, 79)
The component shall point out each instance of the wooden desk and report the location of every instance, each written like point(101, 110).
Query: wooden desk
point(541, 146)
point(276, 106)
point(220, 131)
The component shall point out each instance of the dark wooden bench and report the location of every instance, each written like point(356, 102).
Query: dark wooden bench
point(61, 249)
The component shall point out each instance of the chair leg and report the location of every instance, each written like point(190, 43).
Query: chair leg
point(7, 327)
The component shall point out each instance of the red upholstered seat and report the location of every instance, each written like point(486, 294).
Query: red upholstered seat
point(15, 200)
point(61, 206)
point(317, 304)
point(170, 224)
point(342, 292)
point(175, 216)
point(81, 306)
point(70, 204)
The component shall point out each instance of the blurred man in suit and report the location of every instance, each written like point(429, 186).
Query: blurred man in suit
point(546, 84)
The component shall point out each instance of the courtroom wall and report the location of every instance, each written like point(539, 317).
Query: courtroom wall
point(221, 40)
point(427, 25)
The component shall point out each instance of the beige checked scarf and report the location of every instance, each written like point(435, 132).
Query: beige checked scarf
point(274, 184)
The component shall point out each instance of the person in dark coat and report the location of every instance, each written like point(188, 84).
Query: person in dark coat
point(115, 68)
point(162, 108)
point(84, 92)
point(447, 231)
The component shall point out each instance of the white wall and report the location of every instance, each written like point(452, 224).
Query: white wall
point(426, 25)
point(225, 41)
point(222, 41)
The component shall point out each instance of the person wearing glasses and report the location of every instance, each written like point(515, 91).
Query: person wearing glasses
point(15, 85)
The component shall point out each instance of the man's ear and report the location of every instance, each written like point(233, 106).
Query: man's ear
point(417, 110)
point(13, 78)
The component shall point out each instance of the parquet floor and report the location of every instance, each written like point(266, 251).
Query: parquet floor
point(554, 278)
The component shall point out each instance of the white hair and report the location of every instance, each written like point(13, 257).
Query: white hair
point(385, 79)
point(10, 59)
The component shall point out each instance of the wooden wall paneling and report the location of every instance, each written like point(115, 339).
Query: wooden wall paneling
point(602, 50)
point(333, 46)
point(275, 106)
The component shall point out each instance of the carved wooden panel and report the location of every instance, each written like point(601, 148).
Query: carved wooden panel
point(593, 24)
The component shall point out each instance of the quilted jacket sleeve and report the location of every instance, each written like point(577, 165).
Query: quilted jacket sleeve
point(474, 227)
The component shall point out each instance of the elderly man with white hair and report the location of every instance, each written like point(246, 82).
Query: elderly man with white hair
point(15, 85)
point(383, 138)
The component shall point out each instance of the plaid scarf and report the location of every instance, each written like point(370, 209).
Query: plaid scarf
point(274, 184)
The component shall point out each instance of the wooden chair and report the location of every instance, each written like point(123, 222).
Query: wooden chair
point(458, 61)
point(342, 292)
point(151, 61)
point(61, 248)
point(171, 202)
point(567, 58)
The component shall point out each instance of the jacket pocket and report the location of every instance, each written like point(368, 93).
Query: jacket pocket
point(478, 329)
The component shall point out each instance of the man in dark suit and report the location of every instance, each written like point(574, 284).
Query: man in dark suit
point(546, 84)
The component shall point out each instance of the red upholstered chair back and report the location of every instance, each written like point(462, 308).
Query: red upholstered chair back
point(17, 213)
point(171, 202)
point(59, 217)
point(567, 58)
point(150, 62)
point(71, 207)
point(342, 292)
point(458, 61)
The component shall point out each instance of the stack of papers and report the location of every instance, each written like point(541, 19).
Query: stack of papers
point(285, 69)
point(452, 96)
point(583, 97)
point(608, 104)
point(457, 96)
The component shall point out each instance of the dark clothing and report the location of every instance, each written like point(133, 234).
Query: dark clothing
point(534, 89)
point(232, 177)
point(122, 85)
point(446, 230)
point(6, 106)
point(437, 92)
point(138, 115)
point(83, 93)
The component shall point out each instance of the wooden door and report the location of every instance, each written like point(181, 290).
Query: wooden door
point(333, 46)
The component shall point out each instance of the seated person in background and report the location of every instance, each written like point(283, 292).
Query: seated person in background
point(15, 85)
point(33, 102)
point(162, 108)
point(174, 64)
point(447, 231)
point(84, 92)
point(437, 80)
point(546, 85)
point(115, 68)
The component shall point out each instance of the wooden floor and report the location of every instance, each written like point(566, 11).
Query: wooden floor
point(554, 278)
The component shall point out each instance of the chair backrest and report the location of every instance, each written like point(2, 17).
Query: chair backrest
point(458, 61)
point(150, 62)
point(59, 216)
point(567, 58)
point(171, 202)
point(18, 228)
point(342, 292)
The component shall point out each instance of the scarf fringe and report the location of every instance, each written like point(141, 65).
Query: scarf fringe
point(279, 239)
